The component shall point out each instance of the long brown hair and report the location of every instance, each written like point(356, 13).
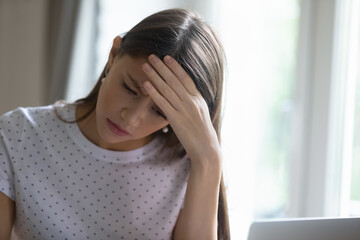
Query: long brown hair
point(193, 43)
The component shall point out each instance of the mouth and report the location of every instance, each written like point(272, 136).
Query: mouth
point(116, 129)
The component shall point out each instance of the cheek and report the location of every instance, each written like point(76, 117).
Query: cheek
point(155, 124)
point(109, 98)
point(102, 100)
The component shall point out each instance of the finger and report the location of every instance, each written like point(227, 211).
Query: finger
point(159, 100)
point(168, 76)
point(162, 87)
point(181, 74)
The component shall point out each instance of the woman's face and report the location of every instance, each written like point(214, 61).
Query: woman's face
point(125, 115)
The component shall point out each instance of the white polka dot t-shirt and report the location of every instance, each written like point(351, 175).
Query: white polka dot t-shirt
point(66, 187)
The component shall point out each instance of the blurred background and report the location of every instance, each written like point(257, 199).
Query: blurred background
point(291, 125)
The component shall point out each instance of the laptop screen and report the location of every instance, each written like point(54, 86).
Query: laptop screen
point(306, 229)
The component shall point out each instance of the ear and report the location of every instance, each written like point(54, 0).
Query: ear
point(114, 51)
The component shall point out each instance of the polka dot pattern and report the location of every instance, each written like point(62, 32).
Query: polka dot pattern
point(65, 187)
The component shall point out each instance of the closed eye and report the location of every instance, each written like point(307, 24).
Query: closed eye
point(127, 88)
point(160, 113)
point(132, 92)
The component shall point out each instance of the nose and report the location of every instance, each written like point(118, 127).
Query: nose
point(134, 114)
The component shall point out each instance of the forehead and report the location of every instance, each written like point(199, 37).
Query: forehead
point(130, 68)
point(131, 65)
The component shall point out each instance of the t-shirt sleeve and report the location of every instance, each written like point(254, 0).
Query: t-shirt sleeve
point(11, 124)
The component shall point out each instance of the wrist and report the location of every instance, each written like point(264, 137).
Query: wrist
point(207, 167)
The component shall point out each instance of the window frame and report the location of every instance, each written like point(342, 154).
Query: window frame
point(320, 167)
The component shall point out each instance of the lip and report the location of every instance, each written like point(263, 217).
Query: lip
point(116, 129)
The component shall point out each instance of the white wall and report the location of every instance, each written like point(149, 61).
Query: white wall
point(23, 28)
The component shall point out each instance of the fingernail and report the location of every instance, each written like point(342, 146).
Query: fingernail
point(154, 58)
point(168, 59)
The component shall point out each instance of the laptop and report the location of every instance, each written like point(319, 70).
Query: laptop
point(306, 229)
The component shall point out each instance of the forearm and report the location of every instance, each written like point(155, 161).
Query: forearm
point(7, 216)
point(198, 218)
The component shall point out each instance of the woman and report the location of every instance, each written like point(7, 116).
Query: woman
point(138, 158)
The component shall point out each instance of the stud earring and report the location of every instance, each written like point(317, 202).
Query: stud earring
point(165, 129)
point(103, 79)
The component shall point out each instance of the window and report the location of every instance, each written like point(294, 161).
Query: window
point(349, 18)
point(344, 172)
point(355, 174)
point(260, 39)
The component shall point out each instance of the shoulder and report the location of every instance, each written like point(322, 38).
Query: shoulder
point(31, 123)
point(31, 114)
point(16, 121)
point(11, 119)
point(12, 122)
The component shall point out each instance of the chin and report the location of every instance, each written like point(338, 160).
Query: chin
point(106, 135)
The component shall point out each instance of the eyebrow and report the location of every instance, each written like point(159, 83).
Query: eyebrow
point(136, 84)
point(141, 89)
